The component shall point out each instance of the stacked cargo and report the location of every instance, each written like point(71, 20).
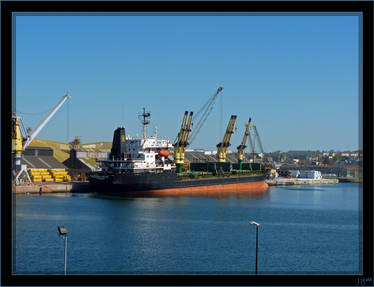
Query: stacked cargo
point(46, 177)
point(59, 174)
point(35, 175)
point(39, 175)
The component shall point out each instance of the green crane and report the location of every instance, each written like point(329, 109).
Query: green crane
point(182, 141)
point(242, 146)
point(222, 146)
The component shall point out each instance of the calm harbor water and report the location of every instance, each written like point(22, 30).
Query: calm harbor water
point(304, 229)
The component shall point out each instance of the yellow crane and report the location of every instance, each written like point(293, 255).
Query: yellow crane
point(184, 137)
point(20, 143)
point(242, 146)
point(182, 141)
point(222, 146)
point(17, 141)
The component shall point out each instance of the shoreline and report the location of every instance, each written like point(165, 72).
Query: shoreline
point(84, 186)
point(300, 181)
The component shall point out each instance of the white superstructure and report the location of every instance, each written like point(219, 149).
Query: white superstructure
point(147, 154)
point(143, 155)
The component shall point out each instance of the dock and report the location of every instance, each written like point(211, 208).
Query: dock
point(301, 181)
point(78, 186)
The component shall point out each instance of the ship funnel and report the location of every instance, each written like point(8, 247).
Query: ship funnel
point(118, 150)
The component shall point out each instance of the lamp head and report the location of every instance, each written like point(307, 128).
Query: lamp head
point(62, 230)
point(255, 223)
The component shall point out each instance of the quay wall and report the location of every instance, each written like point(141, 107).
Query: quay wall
point(301, 181)
point(52, 187)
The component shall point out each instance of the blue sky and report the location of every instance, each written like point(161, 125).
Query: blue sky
point(296, 76)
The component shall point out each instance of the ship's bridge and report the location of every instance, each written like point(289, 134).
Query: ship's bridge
point(137, 147)
point(156, 143)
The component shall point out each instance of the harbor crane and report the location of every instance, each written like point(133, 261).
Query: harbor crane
point(19, 143)
point(256, 137)
point(242, 146)
point(222, 146)
point(203, 114)
point(184, 138)
point(182, 141)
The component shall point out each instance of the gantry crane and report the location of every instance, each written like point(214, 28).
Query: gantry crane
point(222, 146)
point(19, 143)
point(242, 146)
point(182, 141)
point(203, 114)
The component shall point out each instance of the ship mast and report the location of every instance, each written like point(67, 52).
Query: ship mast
point(144, 120)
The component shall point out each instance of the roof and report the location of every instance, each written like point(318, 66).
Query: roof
point(41, 162)
point(38, 147)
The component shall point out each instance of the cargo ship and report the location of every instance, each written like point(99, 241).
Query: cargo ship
point(146, 167)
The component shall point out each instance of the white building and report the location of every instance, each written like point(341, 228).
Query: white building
point(294, 173)
point(312, 174)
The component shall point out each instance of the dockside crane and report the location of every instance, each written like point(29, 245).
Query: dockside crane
point(203, 114)
point(222, 146)
point(20, 143)
point(256, 137)
point(182, 141)
point(184, 138)
point(252, 144)
point(242, 146)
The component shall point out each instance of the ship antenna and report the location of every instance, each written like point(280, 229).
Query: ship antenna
point(144, 120)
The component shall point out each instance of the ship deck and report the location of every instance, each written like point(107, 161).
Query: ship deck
point(209, 177)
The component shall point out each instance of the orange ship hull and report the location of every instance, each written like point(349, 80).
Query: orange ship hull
point(251, 189)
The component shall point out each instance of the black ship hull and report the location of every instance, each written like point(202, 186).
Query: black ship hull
point(169, 183)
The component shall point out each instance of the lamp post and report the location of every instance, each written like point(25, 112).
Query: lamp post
point(257, 225)
point(64, 234)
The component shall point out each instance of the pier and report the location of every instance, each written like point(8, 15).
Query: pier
point(78, 186)
point(301, 181)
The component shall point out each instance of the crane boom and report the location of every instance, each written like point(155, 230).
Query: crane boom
point(45, 121)
point(242, 146)
point(206, 109)
point(187, 130)
point(180, 134)
point(252, 144)
point(182, 141)
point(258, 139)
point(222, 146)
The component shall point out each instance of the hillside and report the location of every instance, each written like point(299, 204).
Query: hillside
point(61, 150)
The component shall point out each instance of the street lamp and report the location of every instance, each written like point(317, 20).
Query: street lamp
point(257, 225)
point(64, 234)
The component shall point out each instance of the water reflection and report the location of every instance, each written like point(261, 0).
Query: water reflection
point(221, 195)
